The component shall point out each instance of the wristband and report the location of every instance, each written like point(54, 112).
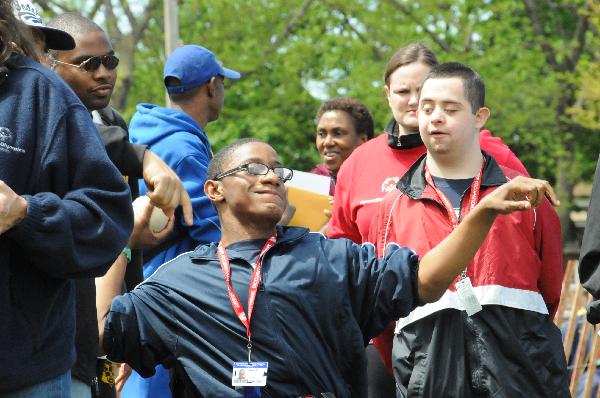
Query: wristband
point(127, 253)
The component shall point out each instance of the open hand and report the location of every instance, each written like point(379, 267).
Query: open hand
point(520, 193)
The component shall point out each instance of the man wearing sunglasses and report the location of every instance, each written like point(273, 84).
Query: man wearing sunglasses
point(293, 309)
point(90, 69)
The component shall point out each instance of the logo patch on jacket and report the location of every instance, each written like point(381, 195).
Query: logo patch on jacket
point(389, 184)
point(6, 139)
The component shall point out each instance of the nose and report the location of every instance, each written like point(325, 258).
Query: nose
point(329, 141)
point(103, 73)
point(437, 116)
point(414, 98)
point(270, 178)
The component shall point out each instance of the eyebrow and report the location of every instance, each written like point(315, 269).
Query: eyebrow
point(277, 163)
point(443, 102)
point(82, 58)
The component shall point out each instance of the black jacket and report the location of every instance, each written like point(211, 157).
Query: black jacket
point(128, 158)
point(589, 257)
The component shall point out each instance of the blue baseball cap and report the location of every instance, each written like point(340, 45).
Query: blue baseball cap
point(193, 66)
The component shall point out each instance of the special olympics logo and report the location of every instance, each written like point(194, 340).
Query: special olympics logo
point(27, 12)
point(5, 134)
point(389, 184)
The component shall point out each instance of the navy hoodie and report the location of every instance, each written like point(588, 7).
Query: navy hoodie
point(180, 142)
point(78, 219)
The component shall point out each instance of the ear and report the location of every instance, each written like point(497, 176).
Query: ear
point(481, 117)
point(210, 87)
point(363, 138)
point(386, 89)
point(214, 191)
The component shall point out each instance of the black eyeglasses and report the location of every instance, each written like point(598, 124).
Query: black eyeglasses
point(259, 169)
point(91, 64)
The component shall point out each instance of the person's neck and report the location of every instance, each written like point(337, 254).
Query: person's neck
point(236, 232)
point(407, 131)
point(196, 112)
point(455, 166)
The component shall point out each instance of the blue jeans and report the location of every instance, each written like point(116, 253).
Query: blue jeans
point(59, 387)
point(79, 389)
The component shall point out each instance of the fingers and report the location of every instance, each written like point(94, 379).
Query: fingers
point(166, 231)
point(531, 190)
point(186, 204)
point(124, 373)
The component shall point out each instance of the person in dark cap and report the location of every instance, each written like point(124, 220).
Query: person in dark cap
point(48, 38)
point(194, 80)
point(65, 213)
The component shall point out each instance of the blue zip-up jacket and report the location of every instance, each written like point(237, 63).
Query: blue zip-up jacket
point(320, 302)
point(78, 219)
point(180, 142)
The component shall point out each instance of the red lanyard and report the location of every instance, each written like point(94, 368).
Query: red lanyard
point(475, 189)
point(254, 282)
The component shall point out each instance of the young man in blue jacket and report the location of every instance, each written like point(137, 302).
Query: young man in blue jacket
point(64, 213)
point(294, 310)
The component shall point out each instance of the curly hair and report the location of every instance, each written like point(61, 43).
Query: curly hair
point(358, 112)
point(15, 36)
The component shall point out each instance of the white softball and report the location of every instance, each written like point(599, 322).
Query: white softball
point(158, 219)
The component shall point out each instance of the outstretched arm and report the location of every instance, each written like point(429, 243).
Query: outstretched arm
point(442, 264)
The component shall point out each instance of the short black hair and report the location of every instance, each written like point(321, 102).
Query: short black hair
point(74, 24)
point(358, 112)
point(217, 164)
point(474, 87)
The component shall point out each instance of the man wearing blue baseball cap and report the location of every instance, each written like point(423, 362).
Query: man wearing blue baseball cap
point(194, 80)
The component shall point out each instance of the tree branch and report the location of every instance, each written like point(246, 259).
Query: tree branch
point(583, 25)
point(130, 17)
point(144, 20)
point(406, 11)
point(287, 31)
point(95, 9)
point(538, 30)
point(370, 43)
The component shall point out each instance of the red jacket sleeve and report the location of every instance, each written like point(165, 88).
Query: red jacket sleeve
point(548, 241)
point(342, 223)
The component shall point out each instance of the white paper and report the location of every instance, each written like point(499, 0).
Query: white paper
point(310, 182)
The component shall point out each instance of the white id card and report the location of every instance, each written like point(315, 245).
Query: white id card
point(249, 374)
point(467, 297)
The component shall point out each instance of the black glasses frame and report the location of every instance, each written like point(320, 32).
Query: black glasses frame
point(280, 172)
point(109, 61)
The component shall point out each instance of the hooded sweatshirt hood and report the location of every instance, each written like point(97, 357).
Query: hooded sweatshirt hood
point(157, 123)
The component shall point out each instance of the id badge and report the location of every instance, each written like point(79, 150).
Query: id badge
point(249, 374)
point(466, 295)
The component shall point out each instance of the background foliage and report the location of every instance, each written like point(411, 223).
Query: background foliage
point(538, 58)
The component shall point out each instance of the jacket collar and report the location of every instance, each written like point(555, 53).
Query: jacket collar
point(285, 236)
point(397, 141)
point(413, 182)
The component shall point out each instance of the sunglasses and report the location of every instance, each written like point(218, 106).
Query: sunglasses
point(91, 64)
point(259, 169)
